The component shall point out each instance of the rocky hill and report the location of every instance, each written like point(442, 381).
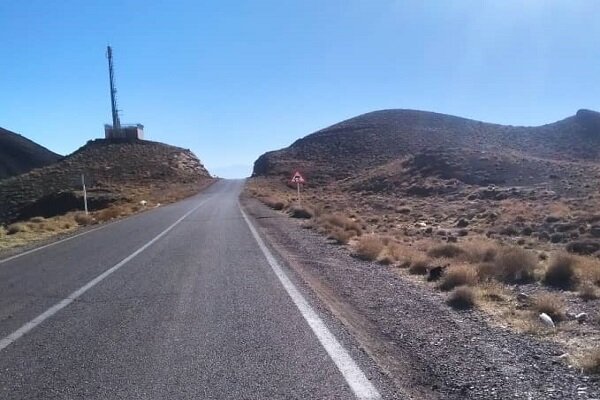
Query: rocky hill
point(390, 149)
point(19, 154)
point(113, 170)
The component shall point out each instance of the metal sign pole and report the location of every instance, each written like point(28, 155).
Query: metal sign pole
point(298, 188)
point(85, 205)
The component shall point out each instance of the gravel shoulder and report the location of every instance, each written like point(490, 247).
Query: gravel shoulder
point(428, 349)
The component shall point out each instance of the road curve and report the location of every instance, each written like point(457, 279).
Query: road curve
point(181, 302)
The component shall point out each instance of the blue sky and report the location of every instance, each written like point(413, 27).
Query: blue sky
point(233, 79)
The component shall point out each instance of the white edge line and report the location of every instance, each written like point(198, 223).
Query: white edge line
point(16, 335)
point(363, 389)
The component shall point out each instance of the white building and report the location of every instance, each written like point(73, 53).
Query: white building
point(125, 132)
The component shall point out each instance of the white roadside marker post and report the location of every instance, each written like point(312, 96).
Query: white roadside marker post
point(85, 205)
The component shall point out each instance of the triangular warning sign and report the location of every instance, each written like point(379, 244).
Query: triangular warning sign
point(298, 178)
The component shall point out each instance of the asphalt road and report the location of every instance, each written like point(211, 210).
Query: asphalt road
point(180, 302)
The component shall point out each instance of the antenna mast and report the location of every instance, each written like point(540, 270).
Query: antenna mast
point(113, 93)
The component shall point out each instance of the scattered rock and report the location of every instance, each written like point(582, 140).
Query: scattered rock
point(583, 247)
point(557, 237)
point(523, 297)
point(462, 223)
point(581, 317)
point(547, 320)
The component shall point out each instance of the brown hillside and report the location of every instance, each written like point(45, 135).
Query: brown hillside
point(19, 154)
point(113, 171)
point(442, 146)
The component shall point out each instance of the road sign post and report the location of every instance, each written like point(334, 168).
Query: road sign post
point(298, 179)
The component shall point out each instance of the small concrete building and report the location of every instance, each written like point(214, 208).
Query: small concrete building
point(124, 132)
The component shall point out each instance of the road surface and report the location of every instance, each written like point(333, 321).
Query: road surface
point(181, 302)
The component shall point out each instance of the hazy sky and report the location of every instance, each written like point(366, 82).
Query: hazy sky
point(233, 79)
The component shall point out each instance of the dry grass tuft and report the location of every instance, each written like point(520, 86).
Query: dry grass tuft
point(445, 251)
point(461, 298)
point(15, 228)
point(561, 272)
point(480, 251)
point(589, 270)
point(340, 235)
point(458, 275)
point(590, 363)
point(550, 304)
point(419, 266)
point(274, 202)
point(83, 219)
point(588, 292)
point(109, 213)
point(369, 247)
point(301, 212)
point(513, 265)
point(493, 291)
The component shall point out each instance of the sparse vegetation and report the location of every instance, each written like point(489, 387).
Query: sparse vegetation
point(461, 298)
point(445, 251)
point(458, 275)
point(369, 247)
point(513, 265)
point(550, 304)
point(16, 228)
point(419, 266)
point(83, 219)
point(561, 272)
point(590, 363)
point(588, 291)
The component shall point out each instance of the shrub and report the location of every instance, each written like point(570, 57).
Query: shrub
point(445, 250)
point(369, 247)
point(591, 362)
point(108, 214)
point(514, 265)
point(343, 222)
point(275, 204)
point(300, 212)
point(419, 266)
point(458, 275)
point(587, 292)
point(461, 298)
point(480, 251)
point(83, 219)
point(16, 228)
point(561, 272)
point(550, 304)
point(340, 235)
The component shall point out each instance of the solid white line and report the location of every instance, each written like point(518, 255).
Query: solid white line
point(57, 242)
point(8, 340)
point(356, 379)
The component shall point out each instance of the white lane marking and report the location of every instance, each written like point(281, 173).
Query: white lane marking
point(356, 379)
point(57, 242)
point(8, 340)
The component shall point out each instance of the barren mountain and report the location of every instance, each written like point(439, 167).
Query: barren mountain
point(389, 150)
point(19, 154)
point(114, 171)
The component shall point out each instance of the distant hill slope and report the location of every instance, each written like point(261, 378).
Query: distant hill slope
point(389, 146)
point(19, 154)
point(111, 168)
